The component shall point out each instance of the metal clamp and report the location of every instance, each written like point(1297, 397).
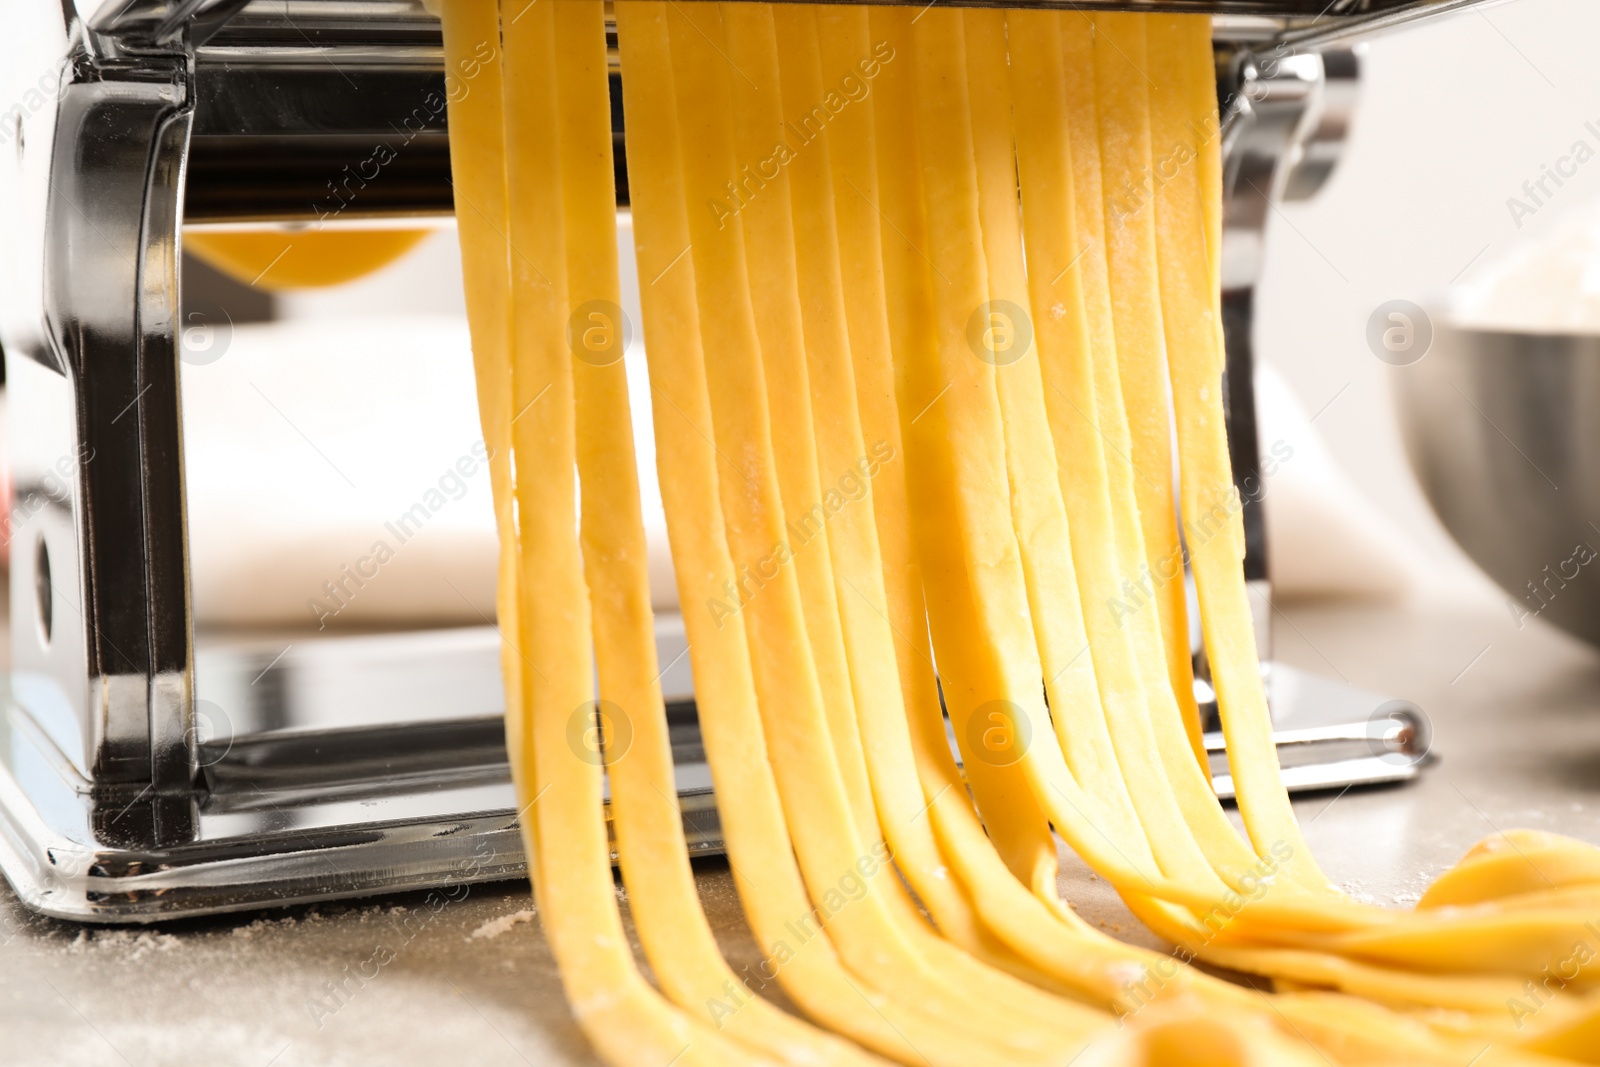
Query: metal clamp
point(100, 570)
point(1286, 115)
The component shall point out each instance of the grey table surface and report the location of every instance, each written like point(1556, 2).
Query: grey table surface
point(1517, 720)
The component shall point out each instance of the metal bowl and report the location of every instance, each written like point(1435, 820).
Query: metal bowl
point(1503, 431)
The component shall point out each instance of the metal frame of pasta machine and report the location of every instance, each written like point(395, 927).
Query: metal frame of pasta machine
point(364, 764)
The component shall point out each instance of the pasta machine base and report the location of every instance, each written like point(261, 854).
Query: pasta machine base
point(347, 766)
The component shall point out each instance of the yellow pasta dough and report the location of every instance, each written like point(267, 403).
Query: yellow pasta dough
point(921, 331)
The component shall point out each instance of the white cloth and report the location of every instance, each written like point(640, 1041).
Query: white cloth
point(347, 454)
point(310, 439)
point(1325, 538)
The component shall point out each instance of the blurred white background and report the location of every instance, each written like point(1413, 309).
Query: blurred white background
point(1455, 115)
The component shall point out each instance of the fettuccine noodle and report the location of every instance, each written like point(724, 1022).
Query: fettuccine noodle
point(932, 315)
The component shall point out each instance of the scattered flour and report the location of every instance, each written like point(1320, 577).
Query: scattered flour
point(495, 927)
point(1548, 282)
point(260, 926)
point(130, 944)
point(1356, 891)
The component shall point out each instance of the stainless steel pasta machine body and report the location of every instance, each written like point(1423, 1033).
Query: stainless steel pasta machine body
point(362, 764)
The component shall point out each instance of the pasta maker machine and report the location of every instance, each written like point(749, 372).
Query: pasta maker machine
point(361, 764)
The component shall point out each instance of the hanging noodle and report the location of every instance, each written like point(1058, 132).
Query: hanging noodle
point(928, 298)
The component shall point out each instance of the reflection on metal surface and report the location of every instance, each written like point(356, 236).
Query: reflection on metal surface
point(1503, 431)
point(1286, 113)
point(323, 767)
point(318, 793)
point(1330, 736)
point(44, 593)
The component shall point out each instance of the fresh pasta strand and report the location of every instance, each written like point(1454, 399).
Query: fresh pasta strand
point(1046, 178)
point(1023, 839)
point(1140, 360)
point(773, 250)
point(985, 168)
point(1010, 915)
point(471, 30)
point(1057, 256)
point(757, 839)
point(967, 445)
point(1194, 365)
point(645, 813)
point(782, 249)
point(1130, 247)
point(842, 447)
point(972, 534)
point(718, 261)
point(559, 792)
point(1038, 513)
point(954, 423)
point(871, 934)
point(856, 560)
